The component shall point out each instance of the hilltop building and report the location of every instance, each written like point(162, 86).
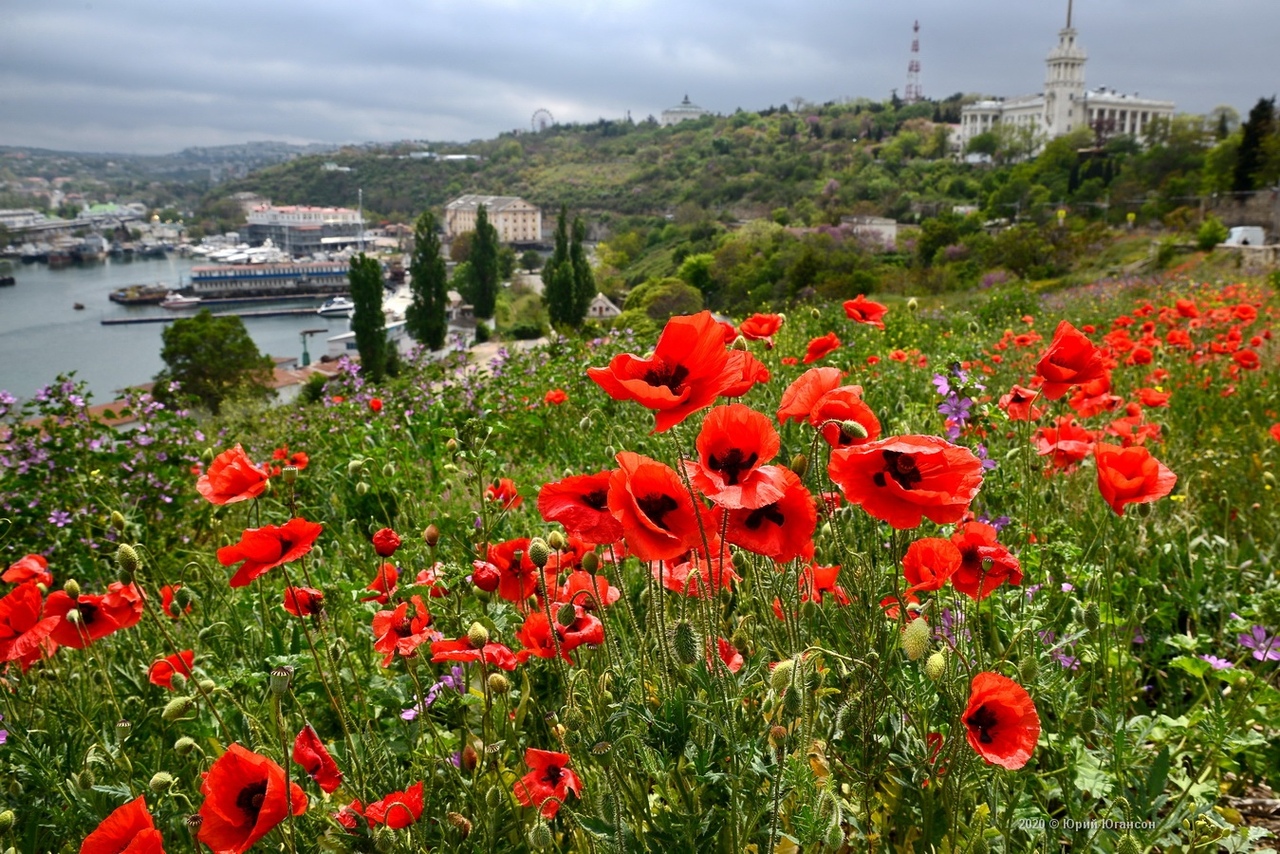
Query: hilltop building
point(301, 230)
point(516, 220)
point(684, 111)
point(1065, 104)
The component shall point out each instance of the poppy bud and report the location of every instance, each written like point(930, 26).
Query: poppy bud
point(853, 429)
point(1128, 845)
point(354, 467)
point(73, 616)
point(486, 577)
point(7, 821)
point(566, 615)
point(470, 759)
point(72, 588)
point(175, 709)
point(584, 423)
point(451, 445)
point(739, 343)
point(935, 666)
point(826, 809)
point(85, 780)
point(460, 822)
point(915, 638)
point(591, 562)
point(161, 782)
point(389, 470)
point(1029, 670)
point(540, 836)
point(499, 684)
point(477, 636)
point(780, 679)
point(117, 520)
point(183, 596)
point(913, 304)
point(557, 541)
point(179, 681)
point(979, 845)
point(834, 837)
point(1092, 619)
point(799, 464)
point(281, 678)
point(539, 552)
point(184, 745)
point(685, 642)
point(127, 560)
point(741, 641)
point(207, 456)
point(431, 535)
point(1088, 720)
point(792, 703)
point(813, 312)
point(207, 685)
point(384, 840)
point(362, 488)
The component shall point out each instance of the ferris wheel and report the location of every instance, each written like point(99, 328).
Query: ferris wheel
point(542, 119)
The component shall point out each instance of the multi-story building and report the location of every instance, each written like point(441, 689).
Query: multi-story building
point(1065, 104)
point(516, 220)
point(298, 229)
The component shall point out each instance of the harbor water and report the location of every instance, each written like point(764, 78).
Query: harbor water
point(42, 334)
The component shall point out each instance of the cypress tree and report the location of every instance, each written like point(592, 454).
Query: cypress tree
point(429, 282)
point(367, 321)
point(1250, 158)
point(557, 276)
point(484, 264)
point(584, 280)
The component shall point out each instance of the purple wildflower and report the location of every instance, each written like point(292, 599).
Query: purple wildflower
point(1218, 663)
point(1265, 647)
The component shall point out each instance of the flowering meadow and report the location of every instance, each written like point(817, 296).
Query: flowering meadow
point(987, 576)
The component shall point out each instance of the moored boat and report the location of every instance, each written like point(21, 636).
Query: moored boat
point(336, 307)
point(177, 302)
point(140, 295)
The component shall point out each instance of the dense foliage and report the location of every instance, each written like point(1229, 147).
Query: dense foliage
point(208, 360)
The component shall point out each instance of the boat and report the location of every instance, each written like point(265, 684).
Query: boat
point(79, 306)
point(177, 302)
point(7, 281)
point(140, 295)
point(336, 307)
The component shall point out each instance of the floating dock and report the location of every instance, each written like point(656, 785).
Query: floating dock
point(271, 312)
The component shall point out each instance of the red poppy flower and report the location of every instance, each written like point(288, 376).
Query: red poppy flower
point(398, 633)
point(1153, 399)
point(746, 371)
point(733, 446)
point(385, 542)
point(128, 830)
point(303, 601)
point(555, 397)
point(985, 564)
point(517, 574)
point(800, 398)
point(309, 752)
point(1131, 476)
point(24, 634)
point(1275, 431)
point(729, 656)
point(581, 504)
point(398, 809)
point(1066, 445)
point(863, 310)
point(1071, 359)
point(297, 459)
point(1247, 359)
point(430, 578)
point(783, 529)
point(265, 548)
point(659, 519)
point(694, 575)
point(163, 670)
point(349, 815)
point(99, 614)
point(548, 782)
point(820, 347)
point(761, 327)
point(928, 563)
point(232, 477)
point(589, 591)
point(504, 490)
point(375, 404)
point(1019, 404)
point(902, 479)
point(892, 606)
point(245, 796)
point(492, 653)
point(485, 576)
point(687, 372)
point(790, 361)
point(383, 584)
point(535, 635)
point(842, 405)
point(31, 567)
point(1001, 721)
point(816, 581)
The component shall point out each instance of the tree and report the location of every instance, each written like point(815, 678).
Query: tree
point(211, 359)
point(584, 280)
point(428, 280)
point(557, 276)
point(484, 264)
point(367, 319)
point(1251, 155)
point(530, 260)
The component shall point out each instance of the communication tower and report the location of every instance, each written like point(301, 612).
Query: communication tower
point(914, 92)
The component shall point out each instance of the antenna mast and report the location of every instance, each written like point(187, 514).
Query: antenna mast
point(914, 92)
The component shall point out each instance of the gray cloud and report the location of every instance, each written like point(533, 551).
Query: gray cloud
point(153, 77)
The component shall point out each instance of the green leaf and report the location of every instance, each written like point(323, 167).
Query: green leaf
point(1197, 667)
point(1159, 774)
point(597, 827)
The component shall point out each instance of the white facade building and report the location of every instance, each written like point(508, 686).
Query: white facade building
point(686, 110)
point(1065, 104)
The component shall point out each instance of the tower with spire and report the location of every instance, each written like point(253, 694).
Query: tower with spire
point(1064, 82)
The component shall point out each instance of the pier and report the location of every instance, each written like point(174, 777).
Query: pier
point(272, 312)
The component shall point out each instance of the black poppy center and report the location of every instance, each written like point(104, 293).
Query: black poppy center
point(597, 500)
point(769, 513)
point(671, 376)
point(901, 467)
point(984, 721)
point(88, 612)
point(251, 797)
point(553, 774)
point(732, 464)
point(656, 507)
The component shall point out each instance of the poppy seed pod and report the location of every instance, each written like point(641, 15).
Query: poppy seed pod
point(7, 821)
point(123, 728)
point(281, 678)
point(539, 552)
point(780, 679)
point(915, 638)
point(591, 562)
point(935, 666)
point(799, 464)
point(566, 615)
point(71, 587)
point(685, 642)
point(477, 635)
point(557, 541)
point(1088, 720)
point(117, 520)
point(499, 684)
point(194, 822)
point(460, 822)
point(1092, 618)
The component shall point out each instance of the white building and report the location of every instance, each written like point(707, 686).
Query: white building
point(515, 220)
point(1065, 104)
point(683, 111)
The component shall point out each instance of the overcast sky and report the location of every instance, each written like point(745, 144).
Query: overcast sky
point(155, 77)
